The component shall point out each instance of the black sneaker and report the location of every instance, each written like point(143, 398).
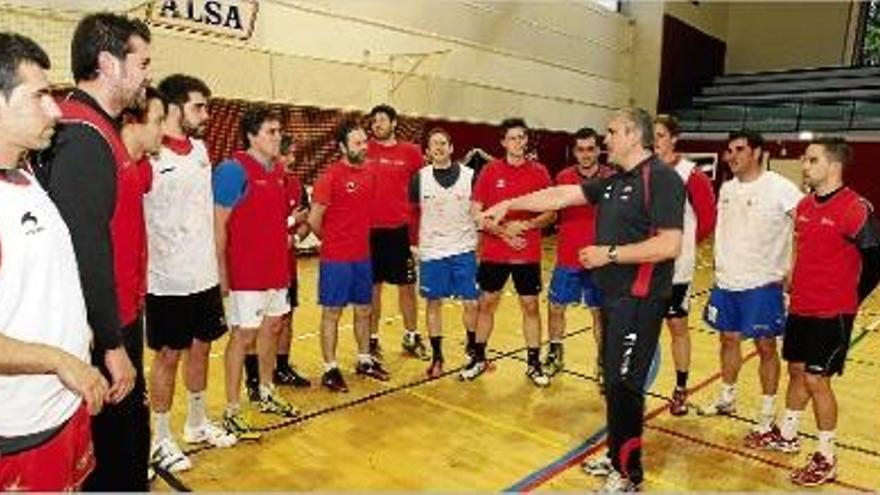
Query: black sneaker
point(333, 380)
point(375, 349)
point(287, 376)
point(373, 369)
point(253, 390)
point(414, 347)
point(470, 350)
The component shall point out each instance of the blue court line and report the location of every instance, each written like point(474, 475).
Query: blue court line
point(569, 457)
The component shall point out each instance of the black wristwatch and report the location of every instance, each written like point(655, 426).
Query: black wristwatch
point(612, 254)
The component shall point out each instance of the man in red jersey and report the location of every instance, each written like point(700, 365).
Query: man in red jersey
point(393, 163)
point(339, 219)
point(571, 282)
point(512, 249)
point(836, 266)
point(250, 203)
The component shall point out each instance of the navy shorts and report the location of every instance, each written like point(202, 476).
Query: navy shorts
point(754, 313)
point(341, 283)
point(453, 276)
point(574, 286)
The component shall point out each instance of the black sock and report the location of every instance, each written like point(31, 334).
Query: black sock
point(681, 379)
point(534, 356)
point(251, 368)
point(282, 361)
point(471, 338)
point(480, 351)
point(437, 347)
point(555, 348)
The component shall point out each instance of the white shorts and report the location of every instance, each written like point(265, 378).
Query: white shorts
point(248, 307)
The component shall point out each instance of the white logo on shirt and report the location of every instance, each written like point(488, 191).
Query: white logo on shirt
point(500, 183)
point(350, 186)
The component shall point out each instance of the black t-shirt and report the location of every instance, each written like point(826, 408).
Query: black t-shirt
point(625, 217)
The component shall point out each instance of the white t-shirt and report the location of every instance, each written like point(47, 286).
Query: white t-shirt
point(41, 302)
point(754, 229)
point(179, 211)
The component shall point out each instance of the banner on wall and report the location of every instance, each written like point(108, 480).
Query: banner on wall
point(225, 18)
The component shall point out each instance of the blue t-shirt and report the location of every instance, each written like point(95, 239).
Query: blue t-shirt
point(229, 182)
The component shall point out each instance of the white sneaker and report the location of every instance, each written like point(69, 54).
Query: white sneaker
point(168, 456)
point(719, 407)
point(616, 483)
point(209, 432)
point(598, 466)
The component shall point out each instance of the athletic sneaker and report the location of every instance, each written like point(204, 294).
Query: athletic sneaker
point(554, 363)
point(372, 369)
point(678, 405)
point(617, 483)
point(274, 403)
point(718, 408)
point(240, 426)
point(375, 349)
point(819, 470)
point(763, 440)
point(287, 376)
point(333, 380)
point(210, 433)
point(168, 456)
point(472, 370)
point(787, 445)
point(598, 466)
point(412, 345)
point(537, 376)
point(436, 369)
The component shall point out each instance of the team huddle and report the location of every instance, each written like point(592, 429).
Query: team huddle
point(115, 218)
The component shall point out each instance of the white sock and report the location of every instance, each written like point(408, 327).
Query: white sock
point(789, 428)
point(374, 336)
point(365, 358)
point(162, 421)
point(196, 413)
point(826, 444)
point(768, 409)
point(411, 334)
point(728, 392)
point(331, 365)
point(233, 408)
point(555, 341)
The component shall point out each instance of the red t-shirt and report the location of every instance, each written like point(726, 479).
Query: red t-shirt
point(577, 224)
point(499, 181)
point(393, 167)
point(345, 231)
point(828, 264)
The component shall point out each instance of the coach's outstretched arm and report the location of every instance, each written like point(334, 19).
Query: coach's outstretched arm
point(549, 199)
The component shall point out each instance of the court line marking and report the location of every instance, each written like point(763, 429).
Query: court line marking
point(743, 453)
point(586, 449)
point(165, 475)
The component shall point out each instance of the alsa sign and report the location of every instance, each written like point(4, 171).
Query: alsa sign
point(230, 18)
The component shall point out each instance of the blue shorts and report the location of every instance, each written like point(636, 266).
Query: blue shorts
point(453, 276)
point(341, 283)
point(754, 313)
point(573, 286)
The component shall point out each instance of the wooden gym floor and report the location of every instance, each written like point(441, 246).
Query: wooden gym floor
point(500, 433)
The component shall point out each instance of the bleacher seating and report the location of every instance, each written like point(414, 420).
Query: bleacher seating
point(828, 99)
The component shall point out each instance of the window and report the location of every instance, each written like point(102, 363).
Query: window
point(869, 34)
point(612, 5)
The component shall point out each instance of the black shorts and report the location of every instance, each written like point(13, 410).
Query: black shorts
point(293, 294)
point(679, 301)
point(820, 343)
point(173, 321)
point(526, 277)
point(392, 258)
